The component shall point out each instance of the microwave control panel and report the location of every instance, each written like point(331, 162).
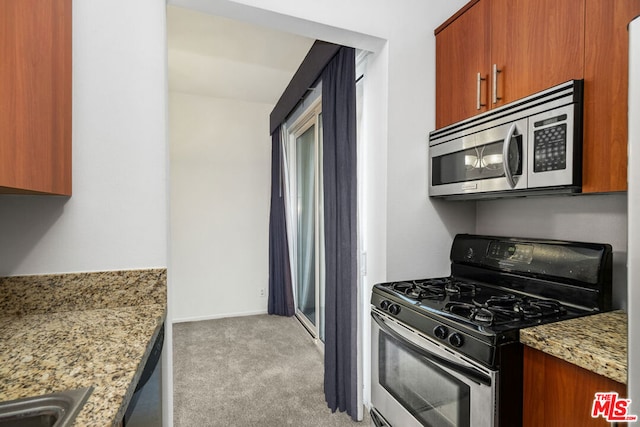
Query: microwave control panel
point(550, 144)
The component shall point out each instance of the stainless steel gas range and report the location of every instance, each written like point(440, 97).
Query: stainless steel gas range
point(446, 351)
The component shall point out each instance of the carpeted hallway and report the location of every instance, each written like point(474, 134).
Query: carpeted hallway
point(249, 371)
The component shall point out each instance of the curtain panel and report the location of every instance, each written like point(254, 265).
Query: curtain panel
point(340, 213)
point(280, 286)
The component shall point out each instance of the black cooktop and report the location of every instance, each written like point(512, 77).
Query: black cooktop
point(481, 306)
point(499, 285)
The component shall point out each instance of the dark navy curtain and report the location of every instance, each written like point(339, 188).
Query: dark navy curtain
point(340, 213)
point(280, 288)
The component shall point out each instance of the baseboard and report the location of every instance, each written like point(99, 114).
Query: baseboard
point(217, 316)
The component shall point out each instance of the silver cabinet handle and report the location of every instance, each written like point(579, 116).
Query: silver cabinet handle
point(495, 83)
point(478, 93)
point(505, 155)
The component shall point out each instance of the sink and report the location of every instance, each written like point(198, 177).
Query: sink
point(50, 410)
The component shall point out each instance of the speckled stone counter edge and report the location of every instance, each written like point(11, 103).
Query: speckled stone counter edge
point(39, 296)
point(51, 293)
point(597, 343)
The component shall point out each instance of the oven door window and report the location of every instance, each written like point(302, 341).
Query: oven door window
point(481, 162)
point(430, 394)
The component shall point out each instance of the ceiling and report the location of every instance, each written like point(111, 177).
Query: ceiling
point(223, 58)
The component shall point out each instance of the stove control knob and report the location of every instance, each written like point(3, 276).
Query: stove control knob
point(385, 304)
point(394, 309)
point(456, 340)
point(441, 332)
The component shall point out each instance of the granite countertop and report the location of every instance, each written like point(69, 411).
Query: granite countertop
point(96, 329)
point(597, 343)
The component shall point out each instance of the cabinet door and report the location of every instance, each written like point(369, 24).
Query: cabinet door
point(461, 53)
point(35, 96)
point(559, 394)
point(536, 44)
point(605, 94)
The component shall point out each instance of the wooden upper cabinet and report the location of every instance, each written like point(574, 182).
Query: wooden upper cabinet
point(462, 55)
point(605, 94)
point(532, 44)
point(535, 44)
point(35, 97)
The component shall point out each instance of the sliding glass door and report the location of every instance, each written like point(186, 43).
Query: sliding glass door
point(306, 230)
point(306, 146)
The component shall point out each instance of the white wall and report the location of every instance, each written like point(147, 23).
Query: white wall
point(116, 218)
point(220, 186)
point(586, 218)
point(419, 231)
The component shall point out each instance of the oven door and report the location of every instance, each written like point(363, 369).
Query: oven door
point(481, 162)
point(416, 382)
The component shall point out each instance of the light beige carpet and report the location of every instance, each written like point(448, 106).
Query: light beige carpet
point(249, 371)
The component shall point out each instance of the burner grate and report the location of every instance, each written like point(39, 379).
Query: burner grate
point(434, 289)
point(482, 314)
point(506, 308)
point(539, 308)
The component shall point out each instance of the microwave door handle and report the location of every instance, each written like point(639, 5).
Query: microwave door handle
point(505, 156)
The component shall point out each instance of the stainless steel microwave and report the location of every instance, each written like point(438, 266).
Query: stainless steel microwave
point(531, 146)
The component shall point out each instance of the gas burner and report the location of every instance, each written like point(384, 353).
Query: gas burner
point(438, 282)
point(471, 312)
point(405, 288)
point(482, 315)
point(460, 309)
point(418, 290)
point(539, 308)
point(431, 291)
point(457, 287)
point(413, 292)
point(505, 301)
point(441, 287)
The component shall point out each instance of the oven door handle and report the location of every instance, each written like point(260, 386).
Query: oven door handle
point(472, 374)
